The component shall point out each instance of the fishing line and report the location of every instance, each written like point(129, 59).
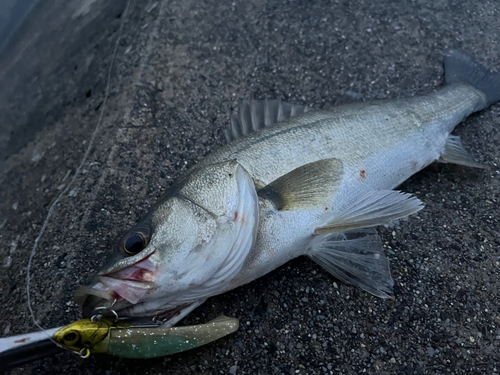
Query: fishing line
point(78, 170)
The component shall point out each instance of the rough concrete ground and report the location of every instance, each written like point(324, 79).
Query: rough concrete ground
point(181, 65)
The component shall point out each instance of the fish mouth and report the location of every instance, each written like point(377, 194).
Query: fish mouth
point(118, 288)
point(94, 303)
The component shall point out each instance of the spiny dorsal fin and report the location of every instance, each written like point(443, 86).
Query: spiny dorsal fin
point(253, 115)
point(308, 186)
point(455, 153)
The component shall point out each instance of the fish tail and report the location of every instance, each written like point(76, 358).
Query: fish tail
point(461, 68)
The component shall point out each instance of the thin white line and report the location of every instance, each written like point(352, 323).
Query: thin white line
point(78, 170)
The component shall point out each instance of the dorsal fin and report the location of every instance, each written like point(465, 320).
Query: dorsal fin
point(253, 115)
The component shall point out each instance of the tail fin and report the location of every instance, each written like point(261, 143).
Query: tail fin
point(461, 68)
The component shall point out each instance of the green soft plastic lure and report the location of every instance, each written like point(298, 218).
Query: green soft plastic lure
point(128, 341)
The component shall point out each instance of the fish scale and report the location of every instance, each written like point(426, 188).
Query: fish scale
point(377, 128)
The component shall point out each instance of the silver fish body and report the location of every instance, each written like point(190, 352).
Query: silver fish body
point(380, 145)
point(313, 184)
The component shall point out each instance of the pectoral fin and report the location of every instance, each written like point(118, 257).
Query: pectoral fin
point(377, 207)
point(455, 153)
point(311, 185)
point(355, 257)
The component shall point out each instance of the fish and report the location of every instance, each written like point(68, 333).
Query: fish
point(292, 181)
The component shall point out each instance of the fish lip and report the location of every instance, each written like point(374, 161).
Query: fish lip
point(94, 303)
point(92, 298)
point(111, 292)
point(118, 287)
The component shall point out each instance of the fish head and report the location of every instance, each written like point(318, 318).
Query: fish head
point(190, 246)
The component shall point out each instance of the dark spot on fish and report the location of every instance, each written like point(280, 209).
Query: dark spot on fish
point(235, 215)
point(20, 341)
point(326, 208)
point(362, 174)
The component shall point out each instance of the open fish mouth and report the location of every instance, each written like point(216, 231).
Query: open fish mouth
point(94, 300)
point(119, 288)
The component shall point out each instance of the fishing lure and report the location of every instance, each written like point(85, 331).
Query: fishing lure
point(127, 339)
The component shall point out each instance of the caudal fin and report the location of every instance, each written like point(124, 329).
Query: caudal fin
point(461, 68)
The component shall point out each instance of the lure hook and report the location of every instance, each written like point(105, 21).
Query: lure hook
point(84, 353)
point(102, 310)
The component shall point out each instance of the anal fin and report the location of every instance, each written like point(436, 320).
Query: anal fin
point(375, 208)
point(455, 153)
point(355, 257)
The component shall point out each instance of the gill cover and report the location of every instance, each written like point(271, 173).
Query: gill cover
point(205, 232)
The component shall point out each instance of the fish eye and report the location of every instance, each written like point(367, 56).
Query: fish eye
point(71, 338)
point(135, 243)
point(135, 240)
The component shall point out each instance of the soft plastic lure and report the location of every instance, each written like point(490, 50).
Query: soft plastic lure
point(125, 340)
point(116, 337)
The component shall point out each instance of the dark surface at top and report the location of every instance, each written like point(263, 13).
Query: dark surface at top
point(12, 15)
point(179, 68)
point(51, 64)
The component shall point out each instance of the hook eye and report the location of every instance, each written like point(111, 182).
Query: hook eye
point(84, 353)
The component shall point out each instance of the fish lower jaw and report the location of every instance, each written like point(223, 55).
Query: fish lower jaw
point(118, 290)
point(111, 293)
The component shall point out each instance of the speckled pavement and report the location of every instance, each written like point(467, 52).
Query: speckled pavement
point(179, 68)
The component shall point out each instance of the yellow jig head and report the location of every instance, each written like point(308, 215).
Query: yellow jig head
point(85, 336)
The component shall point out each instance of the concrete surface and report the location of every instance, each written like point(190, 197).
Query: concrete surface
point(180, 66)
point(52, 64)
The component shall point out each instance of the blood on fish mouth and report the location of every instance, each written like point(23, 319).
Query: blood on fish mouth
point(144, 270)
point(131, 283)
